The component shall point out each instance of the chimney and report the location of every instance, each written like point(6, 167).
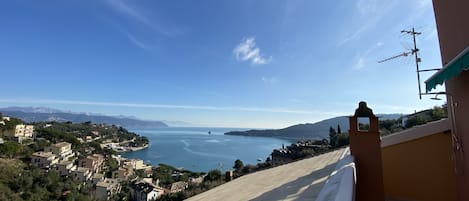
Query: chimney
point(365, 146)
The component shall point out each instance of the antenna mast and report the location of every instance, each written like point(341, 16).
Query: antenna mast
point(417, 58)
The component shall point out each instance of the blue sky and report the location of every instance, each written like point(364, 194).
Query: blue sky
point(243, 63)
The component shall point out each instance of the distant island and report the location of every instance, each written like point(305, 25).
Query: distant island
point(40, 114)
point(318, 130)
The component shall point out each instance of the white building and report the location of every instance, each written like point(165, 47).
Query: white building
point(2, 121)
point(82, 174)
point(65, 167)
point(94, 162)
point(21, 131)
point(143, 191)
point(178, 186)
point(139, 165)
point(97, 178)
point(63, 150)
point(44, 159)
point(107, 188)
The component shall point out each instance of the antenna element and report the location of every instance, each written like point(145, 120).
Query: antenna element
point(417, 58)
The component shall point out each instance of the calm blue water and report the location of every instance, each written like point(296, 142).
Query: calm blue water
point(194, 149)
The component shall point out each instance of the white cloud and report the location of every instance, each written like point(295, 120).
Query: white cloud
point(247, 50)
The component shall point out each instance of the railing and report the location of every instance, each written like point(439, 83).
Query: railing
point(340, 185)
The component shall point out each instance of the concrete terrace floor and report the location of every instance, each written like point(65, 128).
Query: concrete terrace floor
point(297, 181)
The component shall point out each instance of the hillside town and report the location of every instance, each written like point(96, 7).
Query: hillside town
point(90, 161)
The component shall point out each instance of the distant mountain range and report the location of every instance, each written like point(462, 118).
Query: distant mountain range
point(35, 114)
point(318, 130)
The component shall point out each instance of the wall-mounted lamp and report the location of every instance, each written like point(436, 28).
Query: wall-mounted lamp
point(436, 95)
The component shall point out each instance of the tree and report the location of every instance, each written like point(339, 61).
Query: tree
point(306, 153)
point(338, 129)
point(416, 120)
point(363, 127)
point(248, 169)
point(10, 149)
point(438, 113)
point(213, 175)
point(342, 139)
point(238, 165)
point(9, 125)
point(332, 137)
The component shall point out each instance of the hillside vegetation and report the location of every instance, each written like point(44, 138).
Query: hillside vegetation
point(389, 123)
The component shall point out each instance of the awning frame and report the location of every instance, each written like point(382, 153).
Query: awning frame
point(450, 70)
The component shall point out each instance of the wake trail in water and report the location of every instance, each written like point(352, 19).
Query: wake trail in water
point(187, 145)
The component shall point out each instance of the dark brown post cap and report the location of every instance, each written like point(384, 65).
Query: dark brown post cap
point(363, 110)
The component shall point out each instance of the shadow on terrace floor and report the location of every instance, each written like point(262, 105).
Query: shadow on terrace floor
point(303, 188)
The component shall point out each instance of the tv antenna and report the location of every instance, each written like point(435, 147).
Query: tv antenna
point(414, 52)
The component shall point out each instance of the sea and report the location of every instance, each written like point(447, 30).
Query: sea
point(203, 149)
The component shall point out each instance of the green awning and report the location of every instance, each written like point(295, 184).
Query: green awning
point(452, 69)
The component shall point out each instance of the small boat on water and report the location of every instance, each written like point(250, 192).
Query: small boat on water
point(259, 159)
point(209, 132)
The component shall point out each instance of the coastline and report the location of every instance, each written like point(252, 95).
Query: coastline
point(130, 149)
point(138, 148)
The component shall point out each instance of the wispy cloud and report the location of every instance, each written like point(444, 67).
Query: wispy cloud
point(371, 12)
point(136, 41)
point(431, 35)
point(129, 11)
point(388, 108)
point(167, 106)
point(248, 51)
point(366, 6)
point(424, 3)
point(360, 63)
point(269, 80)
point(363, 58)
point(137, 15)
point(381, 107)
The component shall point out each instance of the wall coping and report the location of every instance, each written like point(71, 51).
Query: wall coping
point(340, 185)
point(416, 132)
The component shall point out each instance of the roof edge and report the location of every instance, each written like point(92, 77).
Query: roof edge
point(416, 132)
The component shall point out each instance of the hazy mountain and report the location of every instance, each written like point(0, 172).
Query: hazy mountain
point(31, 110)
point(177, 123)
point(35, 114)
point(316, 130)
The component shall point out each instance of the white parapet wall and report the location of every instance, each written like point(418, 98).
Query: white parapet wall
point(340, 185)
